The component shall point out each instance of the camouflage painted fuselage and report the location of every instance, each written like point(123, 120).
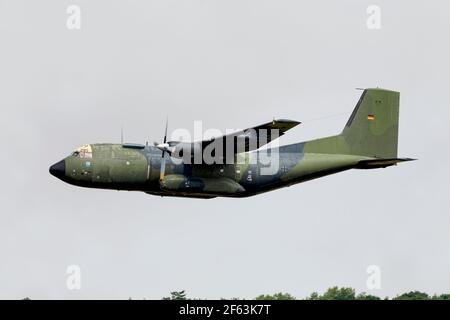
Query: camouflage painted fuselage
point(369, 140)
point(114, 166)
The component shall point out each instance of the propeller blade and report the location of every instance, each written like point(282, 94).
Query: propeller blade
point(163, 167)
point(165, 132)
point(163, 147)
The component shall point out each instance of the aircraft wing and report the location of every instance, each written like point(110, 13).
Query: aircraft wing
point(242, 140)
point(255, 137)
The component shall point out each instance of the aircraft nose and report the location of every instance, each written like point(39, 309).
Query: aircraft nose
point(58, 169)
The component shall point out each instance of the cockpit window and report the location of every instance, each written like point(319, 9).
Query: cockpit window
point(84, 152)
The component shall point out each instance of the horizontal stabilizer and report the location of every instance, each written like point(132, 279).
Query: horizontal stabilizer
point(380, 163)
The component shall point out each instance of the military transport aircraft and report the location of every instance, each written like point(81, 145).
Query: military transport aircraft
point(369, 140)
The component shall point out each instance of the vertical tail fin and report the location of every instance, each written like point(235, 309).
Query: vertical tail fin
point(372, 129)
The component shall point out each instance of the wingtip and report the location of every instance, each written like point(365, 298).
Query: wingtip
point(289, 121)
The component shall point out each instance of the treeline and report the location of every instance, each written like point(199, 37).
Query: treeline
point(334, 293)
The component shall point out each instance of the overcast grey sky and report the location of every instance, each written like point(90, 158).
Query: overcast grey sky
point(231, 64)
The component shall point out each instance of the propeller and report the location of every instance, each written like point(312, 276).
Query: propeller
point(164, 147)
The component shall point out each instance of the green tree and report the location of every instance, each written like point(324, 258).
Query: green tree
point(444, 296)
point(413, 295)
point(276, 296)
point(365, 296)
point(176, 295)
point(313, 296)
point(334, 293)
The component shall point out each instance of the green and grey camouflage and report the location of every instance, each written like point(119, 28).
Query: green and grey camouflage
point(369, 140)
